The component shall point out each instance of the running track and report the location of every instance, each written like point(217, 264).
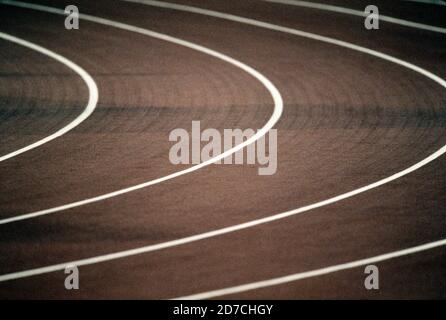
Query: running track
point(361, 122)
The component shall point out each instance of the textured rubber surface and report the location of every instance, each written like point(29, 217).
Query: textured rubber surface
point(349, 119)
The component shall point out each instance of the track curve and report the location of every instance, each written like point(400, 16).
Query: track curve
point(89, 108)
point(382, 128)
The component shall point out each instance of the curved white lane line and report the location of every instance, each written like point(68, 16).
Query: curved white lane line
point(337, 9)
point(215, 14)
point(218, 232)
point(314, 273)
point(277, 98)
point(92, 88)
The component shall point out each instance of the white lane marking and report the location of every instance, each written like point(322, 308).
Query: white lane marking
point(199, 48)
point(92, 89)
point(277, 99)
point(314, 273)
point(437, 2)
point(337, 9)
point(249, 224)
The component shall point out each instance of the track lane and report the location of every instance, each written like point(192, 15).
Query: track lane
point(234, 87)
point(275, 94)
point(30, 111)
point(315, 273)
point(358, 13)
point(89, 108)
point(245, 21)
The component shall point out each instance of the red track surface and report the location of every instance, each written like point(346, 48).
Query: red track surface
point(349, 119)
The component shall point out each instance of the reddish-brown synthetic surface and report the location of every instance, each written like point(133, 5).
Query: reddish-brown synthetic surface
point(349, 119)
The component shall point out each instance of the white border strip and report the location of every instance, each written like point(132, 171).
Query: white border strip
point(275, 94)
point(327, 7)
point(218, 232)
point(313, 273)
point(92, 89)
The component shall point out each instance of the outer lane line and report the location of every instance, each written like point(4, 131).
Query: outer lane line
point(92, 88)
point(275, 94)
point(343, 10)
point(249, 224)
point(314, 273)
point(438, 2)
